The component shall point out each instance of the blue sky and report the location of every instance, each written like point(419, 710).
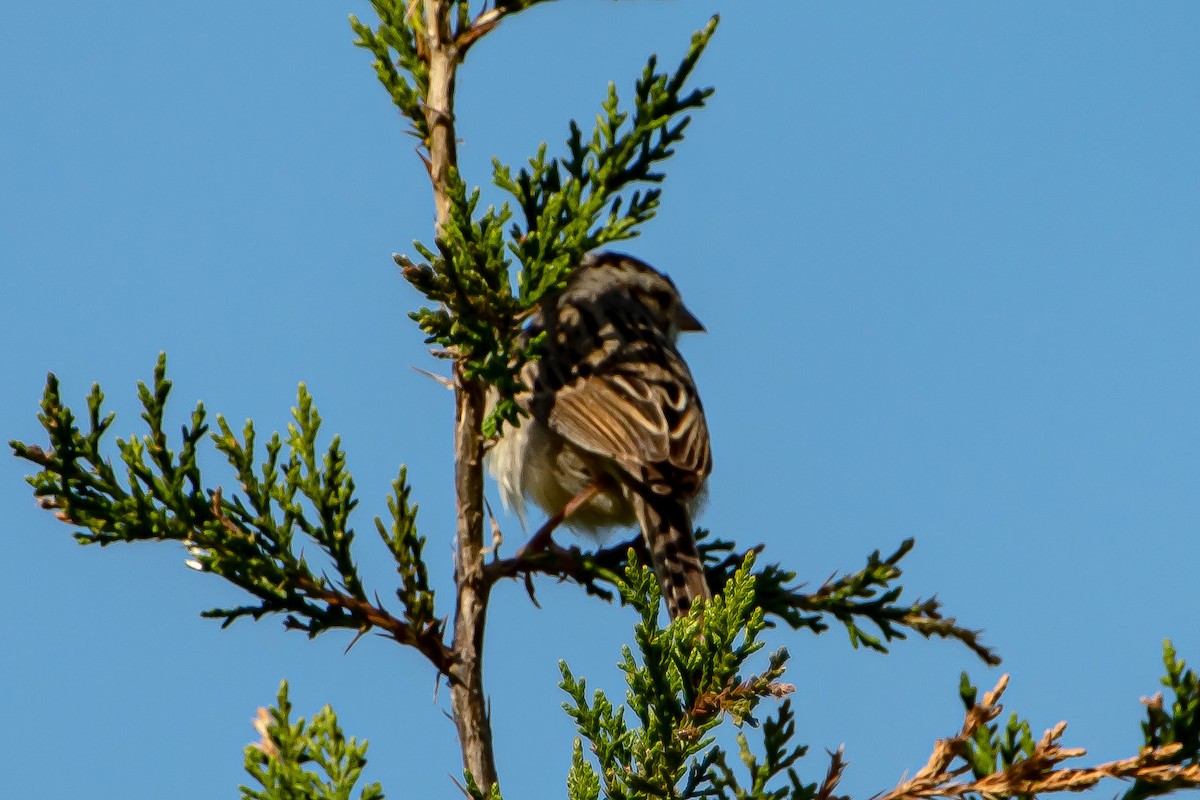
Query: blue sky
point(947, 255)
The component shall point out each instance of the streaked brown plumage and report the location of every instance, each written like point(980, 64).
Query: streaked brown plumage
point(612, 403)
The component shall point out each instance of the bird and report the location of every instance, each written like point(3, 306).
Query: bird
point(613, 432)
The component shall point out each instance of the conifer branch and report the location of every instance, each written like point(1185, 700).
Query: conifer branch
point(1037, 769)
point(871, 594)
point(253, 539)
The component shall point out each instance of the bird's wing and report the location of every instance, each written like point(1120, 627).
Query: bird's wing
point(648, 419)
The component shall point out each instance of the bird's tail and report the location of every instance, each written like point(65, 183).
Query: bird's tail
point(667, 528)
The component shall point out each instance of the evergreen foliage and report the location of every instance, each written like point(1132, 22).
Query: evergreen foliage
point(305, 760)
point(683, 682)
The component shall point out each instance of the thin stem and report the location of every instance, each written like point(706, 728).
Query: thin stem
point(467, 698)
point(427, 640)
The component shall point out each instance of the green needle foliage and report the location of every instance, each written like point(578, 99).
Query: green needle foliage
point(398, 63)
point(297, 495)
point(685, 680)
point(575, 204)
point(988, 751)
point(872, 594)
point(305, 760)
point(569, 206)
point(1170, 722)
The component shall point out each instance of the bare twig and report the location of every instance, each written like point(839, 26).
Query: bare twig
point(427, 640)
point(572, 564)
point(445, 382)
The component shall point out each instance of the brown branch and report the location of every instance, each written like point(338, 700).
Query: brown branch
point(570, 564)
point(467, 699)
point(427, 639)
point(1036, 774)
point(439, 105)
point(485, 22)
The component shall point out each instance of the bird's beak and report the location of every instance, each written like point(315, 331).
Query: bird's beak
point(687, 321)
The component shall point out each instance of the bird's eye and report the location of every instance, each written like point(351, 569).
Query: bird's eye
point(662, 297)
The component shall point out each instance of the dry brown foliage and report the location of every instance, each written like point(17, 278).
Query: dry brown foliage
point(1040, 772)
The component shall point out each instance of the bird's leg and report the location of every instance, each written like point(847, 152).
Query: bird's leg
point(544, 538)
